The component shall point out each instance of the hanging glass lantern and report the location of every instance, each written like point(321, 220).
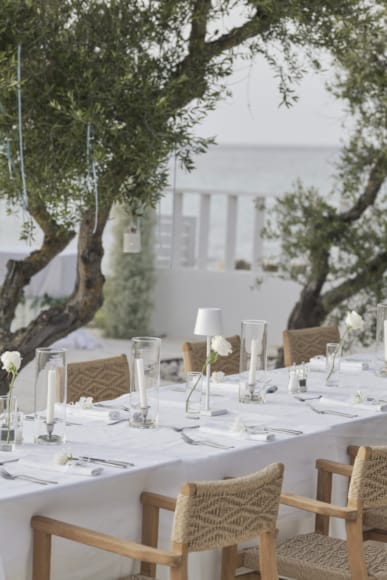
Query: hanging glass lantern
point(132, 237)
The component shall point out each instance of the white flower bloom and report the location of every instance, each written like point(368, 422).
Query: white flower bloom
point(217, 377)
point(62, 458)
point(11, 360)
point(221, 346)
point(85, 403)
point(354, 320)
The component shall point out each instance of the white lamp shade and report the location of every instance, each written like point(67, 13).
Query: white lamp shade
point(209, 322)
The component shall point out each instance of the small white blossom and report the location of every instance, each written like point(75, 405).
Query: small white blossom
point(358, 397)
point(11, 360)
point(85, 403)
point(218, 376)
point(354, 320)
point(62, 458)
point(221, 346)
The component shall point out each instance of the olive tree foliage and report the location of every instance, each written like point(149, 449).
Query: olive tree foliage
point(138, 76)
point(336, 246)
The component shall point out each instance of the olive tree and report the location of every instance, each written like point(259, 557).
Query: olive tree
point(106, 90)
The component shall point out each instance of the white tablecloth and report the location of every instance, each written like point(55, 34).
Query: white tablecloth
point(163, 461)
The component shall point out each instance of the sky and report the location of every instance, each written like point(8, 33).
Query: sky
point(253, 116)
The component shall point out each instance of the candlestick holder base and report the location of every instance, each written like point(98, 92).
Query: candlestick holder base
point(49, 438)
point(140, 419)
point(250, 393)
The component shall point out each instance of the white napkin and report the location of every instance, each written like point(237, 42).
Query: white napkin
point(75, 411)
point(318, 363)
point(73, 467)
point(237, 431)
point(348, 401)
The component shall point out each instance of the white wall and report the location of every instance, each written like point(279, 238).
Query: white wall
point(179, 293)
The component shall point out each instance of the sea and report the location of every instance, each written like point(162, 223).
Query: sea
point(243, 170)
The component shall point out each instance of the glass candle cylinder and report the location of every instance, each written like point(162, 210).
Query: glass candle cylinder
point(8, 422)
point(145, 381)
point(381, 340)
point(252, 366)
point(50, 395)
point(333, 362)
point(193, 394)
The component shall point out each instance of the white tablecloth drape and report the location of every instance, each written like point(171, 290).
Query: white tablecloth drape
point(163, 461)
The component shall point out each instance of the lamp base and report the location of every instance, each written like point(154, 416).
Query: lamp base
point(213, 412)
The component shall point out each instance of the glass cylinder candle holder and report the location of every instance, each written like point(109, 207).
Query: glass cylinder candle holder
point(50, 396)
point(381, 340)
point(333, 362)
point(8, 422)
point(145, 381)
point(253, 357)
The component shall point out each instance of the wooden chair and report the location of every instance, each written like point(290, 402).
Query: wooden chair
point(374, 519)
point(105, 378)
point(301, 344)
point(318, 556)
point(194, 356)
point(208, 515)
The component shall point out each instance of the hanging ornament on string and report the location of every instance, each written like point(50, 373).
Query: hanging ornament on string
point(132, 236)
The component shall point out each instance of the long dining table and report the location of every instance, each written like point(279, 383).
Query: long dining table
point(252, 436)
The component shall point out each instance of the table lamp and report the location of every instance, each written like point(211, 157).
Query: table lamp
point(209, 323)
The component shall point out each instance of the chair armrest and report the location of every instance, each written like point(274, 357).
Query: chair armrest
point(161, 501)
point(318, 507)
point(334, 467)
point(105, 542)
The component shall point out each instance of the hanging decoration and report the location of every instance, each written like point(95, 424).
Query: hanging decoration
point(91, 175)
point(132, 236)
point(20, 127)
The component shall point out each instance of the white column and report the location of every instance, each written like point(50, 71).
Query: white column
point(204, 230)
point(259, 220)
point(231, 232)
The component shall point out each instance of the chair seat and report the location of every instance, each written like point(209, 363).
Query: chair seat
point(321, 557)
point(375, 518)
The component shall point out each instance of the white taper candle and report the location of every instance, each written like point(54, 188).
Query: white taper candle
point(141, 382)
point(253, 361)
point(51, 395)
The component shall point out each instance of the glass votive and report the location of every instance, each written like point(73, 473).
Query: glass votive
point(50, 396)
point(333, 361)
point(252, 366)
point(8, 422)
point(145, 381)
point(193, 394)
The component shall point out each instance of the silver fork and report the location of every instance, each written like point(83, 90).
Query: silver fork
point(330, 412)
point(191, 441)
point(6, 475)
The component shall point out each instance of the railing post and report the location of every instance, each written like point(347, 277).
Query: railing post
point(259, 220)
point(176, 229)
point(231, 232)
point(204, 230)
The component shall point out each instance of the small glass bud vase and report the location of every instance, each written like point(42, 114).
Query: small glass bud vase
point(145, 381)
point(333, 362)
point(193, 394)
point(50, 396)
point(8, 422)
point(381, 340)
point(252, 366)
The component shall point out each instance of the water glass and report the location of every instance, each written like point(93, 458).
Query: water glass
point(193, 394)
point(333, 361)
point(145, 381)
point(50, 396)
point(8, 422)
point(253, 358)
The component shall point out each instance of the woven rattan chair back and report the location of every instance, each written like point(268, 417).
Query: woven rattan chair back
point(368, 486)
point(194, 356)
point(105, 378)
point(221, 513)
point(301, 344)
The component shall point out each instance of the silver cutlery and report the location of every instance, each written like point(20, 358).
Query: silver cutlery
point(330, 412)
point(206, 442)
point(256, 429)
point(304, 399)
point(6, 475)
point(112, 407)
point(68, 423)
point(179, 429)
point(111, 462)
point(8, 461)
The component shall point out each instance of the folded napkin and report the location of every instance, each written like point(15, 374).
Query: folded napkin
point(318, 363)
point(95, 413)
point(72, 467)
point(236, 430)
point(350, 401)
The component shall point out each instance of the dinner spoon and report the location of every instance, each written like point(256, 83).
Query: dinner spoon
point(6, 475)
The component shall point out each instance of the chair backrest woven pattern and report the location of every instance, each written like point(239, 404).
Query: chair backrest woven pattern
point(194, 355)
point(303, 343)
point(101, 379)
point(369, 477)
point(223, 513)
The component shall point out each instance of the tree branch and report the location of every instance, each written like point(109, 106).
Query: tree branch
point(199, 22)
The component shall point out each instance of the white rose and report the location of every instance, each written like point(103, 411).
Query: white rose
point(221, 346)
point(61, 458)
point(11, 360)
point(354, 320)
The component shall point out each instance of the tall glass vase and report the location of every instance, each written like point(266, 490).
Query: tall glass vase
point(253, 357)
point(8, 422)
point(381, 340)
point(145, 381)
point(50, 395)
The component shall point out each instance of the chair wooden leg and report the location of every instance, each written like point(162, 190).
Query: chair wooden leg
point(150, 532)
point(181, 572)
point(229, 562)
point(267, 556)
point(355, 549)
point(41, 555)
point(324, 493)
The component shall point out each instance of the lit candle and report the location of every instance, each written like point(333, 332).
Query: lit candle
point(141, 382)
point(253, 361)
point(51, 395)
point(385, 340)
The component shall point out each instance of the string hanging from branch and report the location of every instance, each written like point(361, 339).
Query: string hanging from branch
point(20, 128)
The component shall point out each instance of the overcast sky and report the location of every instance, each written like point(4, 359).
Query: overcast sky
point(253, 115)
